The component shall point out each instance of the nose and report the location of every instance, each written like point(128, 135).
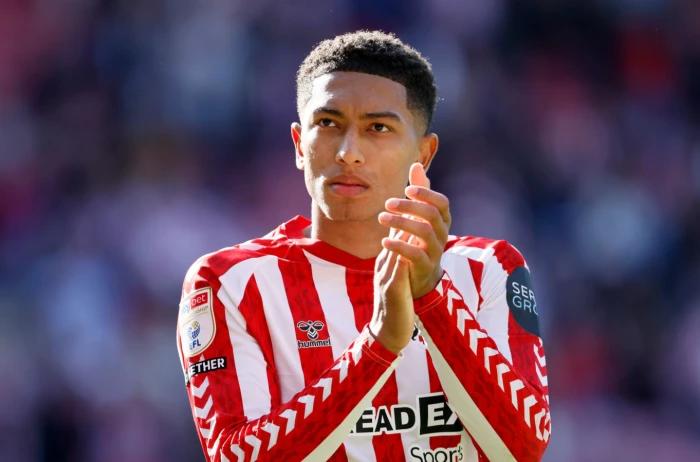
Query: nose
point(349, 151)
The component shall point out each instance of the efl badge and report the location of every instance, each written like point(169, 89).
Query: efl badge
point(197, 326)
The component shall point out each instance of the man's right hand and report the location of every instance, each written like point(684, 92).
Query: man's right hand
point(393, 318)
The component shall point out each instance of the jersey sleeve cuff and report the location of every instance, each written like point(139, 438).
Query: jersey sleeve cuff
point(376, 350)
point(433, 298)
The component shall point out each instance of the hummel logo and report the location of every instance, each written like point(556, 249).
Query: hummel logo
point(311, 328)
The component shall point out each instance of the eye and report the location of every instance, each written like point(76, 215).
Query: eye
point(326, 122)
point(379, 127)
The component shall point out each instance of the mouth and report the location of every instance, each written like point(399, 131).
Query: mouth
point(347, 185)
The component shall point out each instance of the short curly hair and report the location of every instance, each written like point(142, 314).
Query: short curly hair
point(376, 53)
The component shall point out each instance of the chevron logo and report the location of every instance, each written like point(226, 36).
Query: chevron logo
point(501, 369)
point(308, 401)
point(342, 367)
point(462, 317)
point(451, 297)
point(527, 404)
point(539, 367)
point(538, 420)
point(198, 392)
point(273, 430)
point(325, 383)
point(203, 412)
point(291, 416)
point(488, 353)
point(515, 386)
point(255, 442)
point(474, 336)
point(238, 452)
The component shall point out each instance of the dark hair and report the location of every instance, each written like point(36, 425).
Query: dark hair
point(376, 53)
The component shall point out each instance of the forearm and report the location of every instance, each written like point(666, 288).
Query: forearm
point(312, 424)
point(506, 414)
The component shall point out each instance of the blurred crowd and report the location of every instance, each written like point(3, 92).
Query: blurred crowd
point(136, 136)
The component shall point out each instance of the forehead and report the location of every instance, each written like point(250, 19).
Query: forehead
point(356, 91)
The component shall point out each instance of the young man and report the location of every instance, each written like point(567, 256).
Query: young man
point(367, 333)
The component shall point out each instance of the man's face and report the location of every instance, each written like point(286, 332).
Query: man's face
point(355, 143)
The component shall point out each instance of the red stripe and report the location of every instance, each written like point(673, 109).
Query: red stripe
point(306, 310)
point(361, 295)
point(388, 447)
point(257, 327)
point(435, 386)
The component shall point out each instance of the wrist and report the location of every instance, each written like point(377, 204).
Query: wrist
point(430, 285)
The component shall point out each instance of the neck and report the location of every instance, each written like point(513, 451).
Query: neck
point(361, 238)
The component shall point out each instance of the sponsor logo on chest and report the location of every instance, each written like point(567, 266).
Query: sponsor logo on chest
point(431, 417)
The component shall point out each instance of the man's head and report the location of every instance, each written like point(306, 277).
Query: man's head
point(375, 53)
point(365, 101)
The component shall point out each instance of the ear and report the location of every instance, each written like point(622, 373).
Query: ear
point(428, 148)
point(296, 139)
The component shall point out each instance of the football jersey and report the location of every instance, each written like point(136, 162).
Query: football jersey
point(279, 363)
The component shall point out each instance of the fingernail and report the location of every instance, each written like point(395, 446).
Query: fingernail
point(392, 203)
point(413, 190)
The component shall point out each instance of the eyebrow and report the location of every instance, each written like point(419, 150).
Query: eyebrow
point(367, 115)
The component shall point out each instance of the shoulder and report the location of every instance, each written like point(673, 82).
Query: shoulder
point(213, 265)
point(486, 250)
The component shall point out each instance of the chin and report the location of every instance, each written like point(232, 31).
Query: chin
point(345, 211)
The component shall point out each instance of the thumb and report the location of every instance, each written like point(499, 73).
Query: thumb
point(417, 176)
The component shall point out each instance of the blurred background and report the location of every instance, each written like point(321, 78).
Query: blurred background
point(136, 136)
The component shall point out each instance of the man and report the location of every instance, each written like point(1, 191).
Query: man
point(366, 333)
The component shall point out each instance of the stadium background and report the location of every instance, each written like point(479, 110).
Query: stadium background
point(136, 136)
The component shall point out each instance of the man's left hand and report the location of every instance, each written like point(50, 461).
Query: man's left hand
point(425, 221)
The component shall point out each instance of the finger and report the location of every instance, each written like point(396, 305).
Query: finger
point(412, 253)
point(422, 230)
point(417, 176)
point(381, 259)
point(421, 210)
point(429, 196)
point(400, 268)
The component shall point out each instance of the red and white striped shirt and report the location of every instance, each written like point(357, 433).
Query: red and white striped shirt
point(273, 339)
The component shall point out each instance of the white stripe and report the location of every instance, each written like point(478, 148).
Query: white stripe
point(281, 326)
point(461, 274)
point(467, 410)
point(412, 379)
point(329, 445)
point(251, 368)
point(329, 280)
point(494, 313)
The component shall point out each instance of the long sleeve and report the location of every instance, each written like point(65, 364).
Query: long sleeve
point(487, 350)
point(232, 381)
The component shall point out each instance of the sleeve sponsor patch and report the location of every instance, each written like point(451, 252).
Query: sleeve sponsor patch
point(196, 321)
point(521, 300)
point(207, 365)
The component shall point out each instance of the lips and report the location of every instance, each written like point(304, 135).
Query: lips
point(347, 185)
